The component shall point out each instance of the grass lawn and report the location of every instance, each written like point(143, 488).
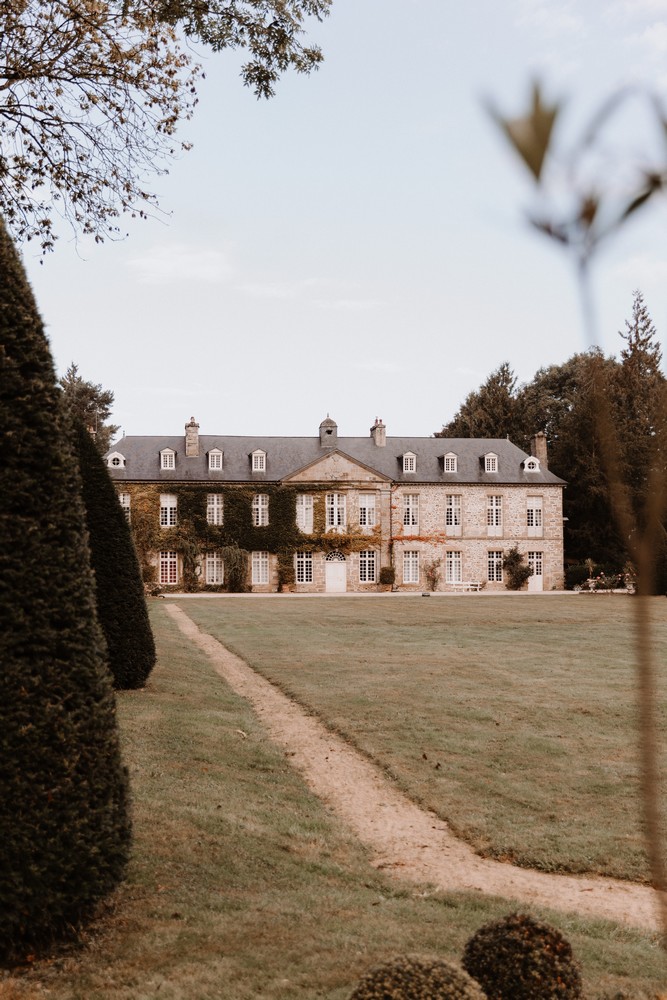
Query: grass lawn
point(527, 704)
point(243, 886)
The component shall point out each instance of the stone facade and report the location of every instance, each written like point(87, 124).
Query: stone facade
point(326, 514)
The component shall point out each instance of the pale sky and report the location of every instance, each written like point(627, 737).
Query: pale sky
point(357, 245)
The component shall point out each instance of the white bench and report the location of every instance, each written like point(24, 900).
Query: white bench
point(469, 585)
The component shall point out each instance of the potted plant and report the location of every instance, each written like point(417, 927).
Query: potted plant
point(387, 577)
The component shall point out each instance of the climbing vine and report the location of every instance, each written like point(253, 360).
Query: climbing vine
point(192, 536)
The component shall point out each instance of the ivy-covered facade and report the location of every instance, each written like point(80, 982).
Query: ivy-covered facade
point(327, 514)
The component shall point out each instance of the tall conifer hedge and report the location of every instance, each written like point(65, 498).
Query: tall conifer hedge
point(64, 826)
point(121, 604)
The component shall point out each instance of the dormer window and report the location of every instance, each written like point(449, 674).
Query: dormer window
point(490, 462)
point(167, 459)
point(116, 460)
point(215, 460)
point(451, 462)
point(409, 462)
point(259, 461)
point(532, 464)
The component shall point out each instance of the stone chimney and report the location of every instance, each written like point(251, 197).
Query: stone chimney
point(538, 448)
point(379, 433)
point(192, 439)
point(328, 433)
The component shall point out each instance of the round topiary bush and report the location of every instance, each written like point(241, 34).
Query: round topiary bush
point(519, 958)
point(411, 977)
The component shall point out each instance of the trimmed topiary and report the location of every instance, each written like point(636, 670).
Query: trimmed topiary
point(64, 827)
point(121, 604)
point(519, 958)
point(412, 977)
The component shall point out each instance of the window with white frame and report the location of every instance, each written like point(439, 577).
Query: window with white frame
point(259, 461)
point(168, 510)
point(494, 572)
point(215, 459)
point(534, 522)
point(536, 562)
point(215, 569)
point(453, 513)
point(215, 507)
point(167, 459)
point(260, 510)
point(367, 510)
point(494, 515)
point(532, 464)
point(260, 567)
point(116, 460)
point(411, 567)
point(409, 462)
point(411, 511)
point(367, 564)
point(168, 567)
point(490, 463)
point(304, 513)
point(451, 462)
point(303, 567)
point(125, 501)
point(335, 510)
point(453, 567)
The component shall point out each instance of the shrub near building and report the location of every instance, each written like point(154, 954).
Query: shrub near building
point(121, 605)
point(64, 828)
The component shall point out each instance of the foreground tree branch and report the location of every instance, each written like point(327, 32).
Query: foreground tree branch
point(92, 93)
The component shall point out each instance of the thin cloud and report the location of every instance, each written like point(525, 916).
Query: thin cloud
point(550, 17)
point(642, 271)
point(169, 264)
point(349, 305)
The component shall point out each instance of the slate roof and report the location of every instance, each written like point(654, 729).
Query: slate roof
point(287, 455)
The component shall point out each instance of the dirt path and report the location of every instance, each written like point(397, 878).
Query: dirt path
point(407, 841)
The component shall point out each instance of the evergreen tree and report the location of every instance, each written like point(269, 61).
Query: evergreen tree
point(639, 394)
point(64, 827)
point(121, 605)
point(490, 412)
point(91, 404)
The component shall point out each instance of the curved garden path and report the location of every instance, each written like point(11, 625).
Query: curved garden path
point(408, 841)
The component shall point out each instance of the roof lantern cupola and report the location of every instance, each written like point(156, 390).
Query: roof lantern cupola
point(328, 433)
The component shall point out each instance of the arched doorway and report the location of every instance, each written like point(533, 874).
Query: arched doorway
point(335, 573)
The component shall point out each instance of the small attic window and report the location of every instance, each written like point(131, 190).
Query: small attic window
point(409, 462)
point(167, 459)
point(116, 460)
point(490, 462)
point(258, 461)
point(215, 459)
point(532, 464)
point(451, 462)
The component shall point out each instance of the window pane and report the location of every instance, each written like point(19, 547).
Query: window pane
point(260, 567)
point(453, 571)
point(304, 567)
point(367, 510)
point(214, 568)
point(367, 566)
point(304, 512)
point(411, 567)
point(495, 567)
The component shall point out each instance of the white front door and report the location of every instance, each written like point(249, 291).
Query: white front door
point(335, 573)
point(535, 582)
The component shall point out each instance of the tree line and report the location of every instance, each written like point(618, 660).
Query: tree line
point(605, 421)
